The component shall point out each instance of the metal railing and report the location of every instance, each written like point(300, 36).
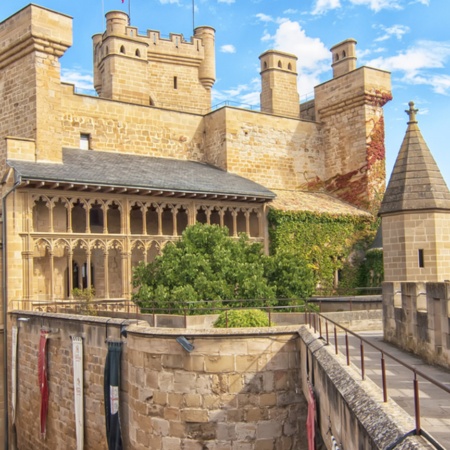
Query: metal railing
point(129, 309)
point(318, 322)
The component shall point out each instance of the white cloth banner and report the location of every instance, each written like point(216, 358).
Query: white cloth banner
point(14, 333)
point(77, 344)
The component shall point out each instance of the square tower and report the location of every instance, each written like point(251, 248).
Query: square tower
point(279, 94)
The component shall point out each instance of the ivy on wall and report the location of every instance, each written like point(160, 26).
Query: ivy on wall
point(329, 243)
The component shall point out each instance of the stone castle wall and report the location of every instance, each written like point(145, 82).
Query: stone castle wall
point(129, 128)
point(405, 234)
point(416, 317)
point(278, 152)
point(234, 389)
point(350, 109)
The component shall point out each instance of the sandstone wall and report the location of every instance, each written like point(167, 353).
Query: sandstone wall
point(127, 128)
point(33, 40)
point(350, 109)
point(405, 234)
point(278, 152)
point(236, 388)
point(416, 317)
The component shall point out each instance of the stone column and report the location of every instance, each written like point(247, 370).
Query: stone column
point(69, 207)
point(234, 214)
point(105, 208)
point(106, 269)
point(52, 271)
point(70, 270)
point(88, 268)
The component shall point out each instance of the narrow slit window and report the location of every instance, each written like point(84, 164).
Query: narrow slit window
point(84, 141)
point(175, 82)
point(421, 258)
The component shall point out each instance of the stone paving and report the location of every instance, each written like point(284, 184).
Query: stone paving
point(434, 402)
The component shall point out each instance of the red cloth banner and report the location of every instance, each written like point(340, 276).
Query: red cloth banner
point(43, 382)
point(310, 421)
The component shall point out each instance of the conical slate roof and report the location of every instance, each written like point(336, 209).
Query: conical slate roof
point(416, 182)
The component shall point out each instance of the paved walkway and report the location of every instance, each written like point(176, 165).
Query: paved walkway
point(434, 402)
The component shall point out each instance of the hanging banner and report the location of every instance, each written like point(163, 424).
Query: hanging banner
point(111, 391)
point(77, 347)
point(14, 335)
point(311, 419)
point(43, 382)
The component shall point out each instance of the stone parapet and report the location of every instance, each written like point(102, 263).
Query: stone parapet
point(416, 317)
point(237, 388)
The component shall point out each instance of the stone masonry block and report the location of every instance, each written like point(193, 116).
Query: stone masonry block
point(194, 415)
point(220, 364)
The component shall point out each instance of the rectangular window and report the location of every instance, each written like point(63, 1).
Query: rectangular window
point(421, 259)
point(84, 141)
point(175, 82)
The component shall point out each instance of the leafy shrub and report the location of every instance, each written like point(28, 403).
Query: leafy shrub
point(242, 318)
point(85, 296)
point(205, 264)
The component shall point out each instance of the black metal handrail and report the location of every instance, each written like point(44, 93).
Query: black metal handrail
point(314, 320)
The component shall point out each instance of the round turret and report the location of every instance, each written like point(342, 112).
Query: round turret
point(207, 69)
point(116, 22)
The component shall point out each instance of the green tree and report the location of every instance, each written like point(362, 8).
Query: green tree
point(205, 264)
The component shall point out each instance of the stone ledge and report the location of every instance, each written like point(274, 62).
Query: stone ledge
point(376, 424)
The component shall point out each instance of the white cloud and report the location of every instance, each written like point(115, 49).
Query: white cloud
point(422, 2)
point(378, 5)
point(416, 62)
point(264, 17)
point(441, 84)
point(81, 79)
point(323, 6)
point(243, 95)
point(313, 57)
point(290, 11)
point(164, 2)
point(226, 1)
point(396, 30)
point(228, 48)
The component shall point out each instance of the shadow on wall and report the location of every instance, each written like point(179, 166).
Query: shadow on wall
point(236, 387)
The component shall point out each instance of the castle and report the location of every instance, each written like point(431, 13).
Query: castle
point(93, 185)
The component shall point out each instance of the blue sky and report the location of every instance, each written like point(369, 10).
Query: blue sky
point(410, 38)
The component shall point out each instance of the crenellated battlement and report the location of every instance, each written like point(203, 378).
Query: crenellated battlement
point(145, 69)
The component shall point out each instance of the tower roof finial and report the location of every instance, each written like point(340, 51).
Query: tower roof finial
point(411, 113)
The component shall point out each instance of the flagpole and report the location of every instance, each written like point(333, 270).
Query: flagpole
point(129, 12)
point(193, 17)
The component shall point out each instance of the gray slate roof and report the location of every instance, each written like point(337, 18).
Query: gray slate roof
point(416, 182)
point(142, 172)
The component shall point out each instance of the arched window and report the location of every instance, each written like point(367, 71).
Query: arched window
point(289, 66)
point(344, 54)
point(265, 64)
point(279, 64)
point(336, 57)
point(138, 53)
point(122, 49)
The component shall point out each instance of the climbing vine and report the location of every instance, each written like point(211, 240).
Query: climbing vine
point(328, 242)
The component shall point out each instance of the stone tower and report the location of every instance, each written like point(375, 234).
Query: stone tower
point(279, 93)
point(149, 70)
point(415, 214)
point(350, 110)
point(344, 57)
point(32, 41)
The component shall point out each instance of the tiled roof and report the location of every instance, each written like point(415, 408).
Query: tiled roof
point(141, 172)
point(416, 182)
point(319, 202)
